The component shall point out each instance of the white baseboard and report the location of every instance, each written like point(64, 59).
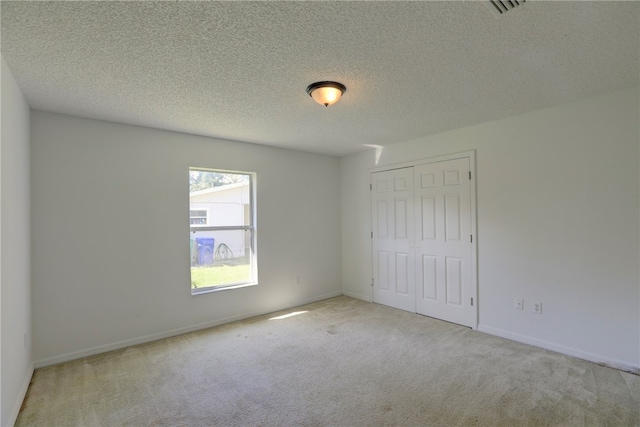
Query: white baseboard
point(54, 360)
point(13, 416)
point(569, 351)
point(314, 299)
point(358, 296)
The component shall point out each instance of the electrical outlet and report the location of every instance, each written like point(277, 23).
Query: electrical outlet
point(537, 307)
point(519, 304)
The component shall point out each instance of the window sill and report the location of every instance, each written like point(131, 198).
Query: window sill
point(211, 289)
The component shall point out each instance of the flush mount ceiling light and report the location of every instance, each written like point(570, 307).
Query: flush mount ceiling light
point(326, 93)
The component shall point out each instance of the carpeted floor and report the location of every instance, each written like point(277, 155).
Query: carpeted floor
point(339, 362)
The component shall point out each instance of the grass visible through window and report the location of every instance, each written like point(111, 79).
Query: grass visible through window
point(206, 276)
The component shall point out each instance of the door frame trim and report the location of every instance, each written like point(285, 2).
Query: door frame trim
point(471, 155)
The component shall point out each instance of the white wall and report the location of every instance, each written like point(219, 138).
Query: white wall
point(558, 222)
point(107, 274)
point(16, 362)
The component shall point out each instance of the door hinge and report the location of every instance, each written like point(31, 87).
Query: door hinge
point(469, 174)
point(372, 234)
point(372, 281)
point(370, 186)
point(472, 302)
point(471, 238)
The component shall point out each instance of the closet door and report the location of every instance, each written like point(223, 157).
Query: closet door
point(443, 245)
point(393, 231)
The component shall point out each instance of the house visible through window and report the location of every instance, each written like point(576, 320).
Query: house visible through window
point(222, 230)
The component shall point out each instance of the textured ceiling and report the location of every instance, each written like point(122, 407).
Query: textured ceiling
point(238, 70)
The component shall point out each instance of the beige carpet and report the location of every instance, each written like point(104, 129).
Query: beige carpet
point(343, 362)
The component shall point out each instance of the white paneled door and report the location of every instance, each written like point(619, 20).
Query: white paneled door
point(443, 241)
point(393, 235)
point(422, 243)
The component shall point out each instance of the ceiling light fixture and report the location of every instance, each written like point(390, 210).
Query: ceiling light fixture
point(326, 93)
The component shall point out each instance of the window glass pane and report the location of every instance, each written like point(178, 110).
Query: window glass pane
point(226, 196)
point(221, 258)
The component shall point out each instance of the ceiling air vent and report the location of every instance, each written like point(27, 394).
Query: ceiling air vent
point(500, 7)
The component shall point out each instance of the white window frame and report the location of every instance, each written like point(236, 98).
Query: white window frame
point(253, 257)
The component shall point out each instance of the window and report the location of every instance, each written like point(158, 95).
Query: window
point(198, 217)
point(222, 230)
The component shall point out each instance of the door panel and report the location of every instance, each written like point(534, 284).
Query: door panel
point(452, 218)
point(444, 244)
point(454, 280)
point(393, 235)
point(383, 270)
point(428, 218)
point(401, 219)
point(402, 274)
point(429, 277)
